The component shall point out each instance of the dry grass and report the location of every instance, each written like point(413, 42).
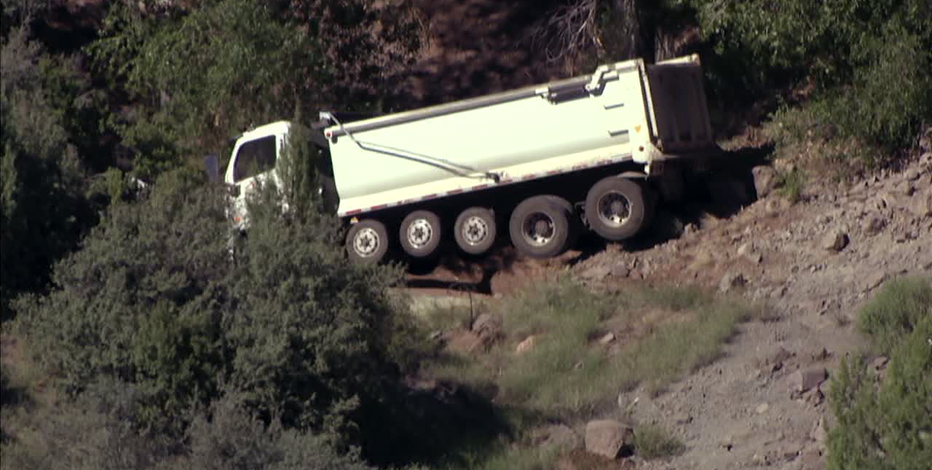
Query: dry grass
point(569, 376)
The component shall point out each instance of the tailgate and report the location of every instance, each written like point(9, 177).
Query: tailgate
point(679, 114)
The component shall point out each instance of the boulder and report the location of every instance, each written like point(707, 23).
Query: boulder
point(765, 179)
point(835, 240)
point(607, 437)
point(808, 379)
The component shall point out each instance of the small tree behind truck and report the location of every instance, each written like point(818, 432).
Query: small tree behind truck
point(541, 162)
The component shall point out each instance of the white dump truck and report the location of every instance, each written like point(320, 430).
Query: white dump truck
point(541, 163)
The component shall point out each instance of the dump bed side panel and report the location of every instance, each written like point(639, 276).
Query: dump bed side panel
point(490, 141)
point(680, 116)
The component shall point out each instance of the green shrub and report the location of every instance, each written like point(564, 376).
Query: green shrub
point(155, 299)
point(653, 442)
point(885, 423)
point(861, 66)
point(229, 437)
point(896, 311)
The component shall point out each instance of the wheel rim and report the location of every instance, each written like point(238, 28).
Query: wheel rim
point(538, 229)
point(420, 233)
point(475, 230)
point(366, 242)
point(614, 209)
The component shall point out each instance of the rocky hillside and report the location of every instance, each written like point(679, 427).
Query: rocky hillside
point(813, 264)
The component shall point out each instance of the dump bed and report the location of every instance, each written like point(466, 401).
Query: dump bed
point(679, 114)
point(627, 111)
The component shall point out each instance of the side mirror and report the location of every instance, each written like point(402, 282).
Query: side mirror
point(212, 166)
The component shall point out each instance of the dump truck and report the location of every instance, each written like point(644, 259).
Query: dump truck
point(541, 163)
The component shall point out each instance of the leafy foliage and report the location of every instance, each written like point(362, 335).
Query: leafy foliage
point(204, 74)
point(42, 209)
point(154, 299)
point(864, 63)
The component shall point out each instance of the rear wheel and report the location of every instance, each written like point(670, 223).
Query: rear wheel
point(367, 242)
point(541, 226)
point(475, 230)
point(616, 208)
point(420, 233)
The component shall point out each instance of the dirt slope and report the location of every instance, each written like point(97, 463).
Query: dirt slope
point(813, 264)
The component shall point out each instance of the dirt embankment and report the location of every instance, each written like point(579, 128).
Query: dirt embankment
point(813, 263)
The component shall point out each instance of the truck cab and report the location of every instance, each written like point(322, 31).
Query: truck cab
point(255, 158)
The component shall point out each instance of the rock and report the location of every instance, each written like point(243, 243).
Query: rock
point(608, 338)
point(874, 224)
point(809, 378)
point(731, 281)
point(912, 174)
point(596, 273)
point(620, 270)
point(765, 178)
point(607, 437)
point(880, 363)
point(835, 240)
point(762, 408)
point(526, 345)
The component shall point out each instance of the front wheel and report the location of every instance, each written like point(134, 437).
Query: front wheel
point(367, 242)
point(616, 208)
point(541, 226)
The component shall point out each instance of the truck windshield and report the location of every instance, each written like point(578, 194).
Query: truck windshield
point(254, 157)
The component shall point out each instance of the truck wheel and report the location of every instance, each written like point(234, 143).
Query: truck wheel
point(541, 226)
point(367, 242)
point(615, 208)
point(420, 233)
point(475, 230)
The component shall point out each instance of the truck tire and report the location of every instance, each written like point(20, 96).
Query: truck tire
point(616, 208)
point(420, 233)
point(367, 242)
point(475, 230)
point(542, 226)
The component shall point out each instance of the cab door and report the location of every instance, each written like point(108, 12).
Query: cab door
point(252, 164)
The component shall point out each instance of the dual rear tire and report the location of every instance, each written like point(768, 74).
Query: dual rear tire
point(543, 226)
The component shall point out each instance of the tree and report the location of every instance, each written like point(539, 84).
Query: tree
point(42, 206)
point(154, 299)
point(199, 76)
